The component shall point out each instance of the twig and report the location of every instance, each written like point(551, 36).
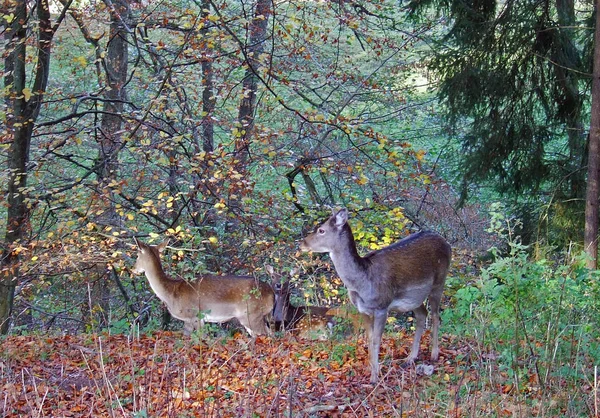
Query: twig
point(109, 388)
point(596, 412)
point(322, 408)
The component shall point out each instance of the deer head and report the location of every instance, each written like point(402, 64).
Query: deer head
point(310, 322)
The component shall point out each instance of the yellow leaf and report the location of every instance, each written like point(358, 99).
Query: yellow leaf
point(213, 240)
point(27, 93)
point(81, 61)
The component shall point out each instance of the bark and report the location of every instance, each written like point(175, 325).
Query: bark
point(116, 78)
point(592, 194)
point(110, 141)
point(208, 99)
point(23, 110)
point(258, 30)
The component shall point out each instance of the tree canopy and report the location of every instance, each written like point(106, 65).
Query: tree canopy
point(515, 80)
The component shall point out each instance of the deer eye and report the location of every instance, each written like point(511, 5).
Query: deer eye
point(321, 231)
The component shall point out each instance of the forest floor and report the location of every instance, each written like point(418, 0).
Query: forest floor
point(168, 375)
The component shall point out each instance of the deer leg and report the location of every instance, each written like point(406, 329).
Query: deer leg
point(367, 323)
point(248, 323)
point(255, 324)
point(191, 326)
point(261, 324)
point(378, 324)
point(420, 318)
point(434, 305)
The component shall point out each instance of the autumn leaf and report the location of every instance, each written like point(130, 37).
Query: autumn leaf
point(27, 93)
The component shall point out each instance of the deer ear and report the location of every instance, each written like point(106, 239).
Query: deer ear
point(341, 217)
point(269, 269)
point(161, 247)
point(137, 243)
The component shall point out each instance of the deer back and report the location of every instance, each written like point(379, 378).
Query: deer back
point(412, 266)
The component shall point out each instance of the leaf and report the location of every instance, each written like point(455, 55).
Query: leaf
point(27, 93)
point(81, 61)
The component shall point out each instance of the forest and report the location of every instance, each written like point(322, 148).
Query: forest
point(216, 135)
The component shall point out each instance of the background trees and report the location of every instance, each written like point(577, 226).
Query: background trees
point(22, 21)
point(515, 82)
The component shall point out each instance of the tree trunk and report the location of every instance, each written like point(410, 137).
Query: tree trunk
point(258, 30)
point(110, 142)
point(591, 207)
point(23, 109)
point(571, 102)
point(208, 99)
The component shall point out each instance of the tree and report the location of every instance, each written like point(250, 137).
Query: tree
point(23, 103)
point(252, 58)
point(515, 76)
point(593, 179)
point(110, 134)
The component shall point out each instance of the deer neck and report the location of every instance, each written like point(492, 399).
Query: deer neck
point(158, 279)
point(348, 264)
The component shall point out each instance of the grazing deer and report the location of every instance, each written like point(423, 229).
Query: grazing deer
point(398, 277)
point(208, 298)
point(311, 322)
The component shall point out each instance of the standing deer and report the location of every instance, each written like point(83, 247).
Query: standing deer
point(398, 277)
point(208, 298)
point(311, 322)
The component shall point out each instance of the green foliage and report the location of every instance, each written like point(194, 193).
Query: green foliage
point(538, 316)
point(514, 85)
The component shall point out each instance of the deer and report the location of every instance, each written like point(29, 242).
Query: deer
point(399, 277)
point(309, 322)
point(209, 298)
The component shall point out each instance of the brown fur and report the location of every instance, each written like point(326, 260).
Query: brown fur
point(219, 298)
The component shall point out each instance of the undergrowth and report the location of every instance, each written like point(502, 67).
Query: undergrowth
point(532, 324)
